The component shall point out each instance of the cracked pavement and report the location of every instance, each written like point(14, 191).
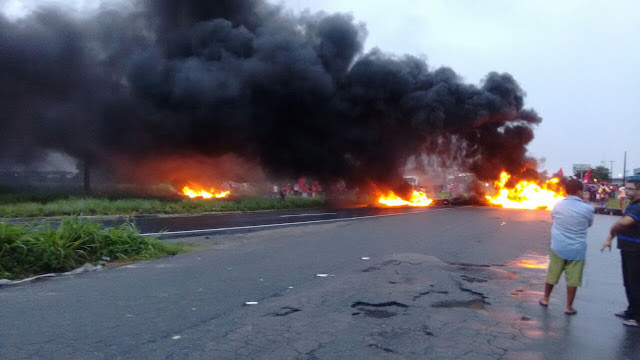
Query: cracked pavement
point(456, 284)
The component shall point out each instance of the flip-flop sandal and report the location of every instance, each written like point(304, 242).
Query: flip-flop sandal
point(543, 304)
point(622, 314)
point(571, 312)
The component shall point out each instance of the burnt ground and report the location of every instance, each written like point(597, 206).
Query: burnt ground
point(439, 284)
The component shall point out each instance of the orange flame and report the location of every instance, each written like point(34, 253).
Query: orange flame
point(418, 198)
point(526, 194)
point(204, 194)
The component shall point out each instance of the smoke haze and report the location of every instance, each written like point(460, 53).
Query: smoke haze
point(293, 93)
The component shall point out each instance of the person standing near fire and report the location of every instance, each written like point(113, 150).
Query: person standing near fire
point(572, 216)
point(627, 230)
point(603, 192)
point(622, 196)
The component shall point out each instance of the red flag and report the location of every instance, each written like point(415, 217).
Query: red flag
point(587, 177)
point(559, 173)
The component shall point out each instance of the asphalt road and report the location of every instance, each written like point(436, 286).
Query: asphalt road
point(215, 223)
point(446, 283)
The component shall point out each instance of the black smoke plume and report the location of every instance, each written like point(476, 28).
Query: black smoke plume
point(295, 93)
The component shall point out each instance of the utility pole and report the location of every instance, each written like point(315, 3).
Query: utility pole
point(611, 169)
point(624, 169)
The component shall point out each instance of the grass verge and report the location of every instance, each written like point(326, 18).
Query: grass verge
point(614, 204)
point(138, 206)
point(30, 249)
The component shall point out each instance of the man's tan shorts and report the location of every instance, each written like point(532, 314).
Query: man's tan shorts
point(572, 270)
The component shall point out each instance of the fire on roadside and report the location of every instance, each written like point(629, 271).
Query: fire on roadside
point(418, 198)
point(199, 192)
point(526, 194)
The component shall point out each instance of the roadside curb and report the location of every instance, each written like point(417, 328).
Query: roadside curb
point(87, 267)
point(608, 211)
point(141, 216)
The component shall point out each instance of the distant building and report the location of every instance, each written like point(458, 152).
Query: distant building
point(25, 177)
point(581, 167)
point(636, 171)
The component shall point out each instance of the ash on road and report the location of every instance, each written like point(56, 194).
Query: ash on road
point(456, 283)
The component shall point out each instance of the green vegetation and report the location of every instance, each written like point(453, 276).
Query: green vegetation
point(614, 203)
point(18, 206)
point(32, 249)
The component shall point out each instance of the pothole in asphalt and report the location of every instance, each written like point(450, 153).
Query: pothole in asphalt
point(378, 310)
point(464, 265)
point(476, 304)
point(284, 311)
point(387, 350)
point(425, 330)
point(470, 279)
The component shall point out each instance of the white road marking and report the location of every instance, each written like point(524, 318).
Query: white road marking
point(185, 232)
point(318, 214)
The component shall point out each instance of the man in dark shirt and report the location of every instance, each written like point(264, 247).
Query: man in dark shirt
point(627, 230)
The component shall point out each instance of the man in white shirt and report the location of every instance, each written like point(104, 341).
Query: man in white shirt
point(571, 219)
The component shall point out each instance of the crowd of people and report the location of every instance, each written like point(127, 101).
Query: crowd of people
point(301, 188)
point(601, 194)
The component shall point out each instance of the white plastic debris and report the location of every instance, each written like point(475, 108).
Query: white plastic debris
point(365, 258)
point(504, 222)
point(16, 282)
point(251, 303)
point(290, 287)
point(176, 337)
point(129, 315)
point(84, 268)
point(322, 275)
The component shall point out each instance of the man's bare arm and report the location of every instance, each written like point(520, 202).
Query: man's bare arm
point(620, 225)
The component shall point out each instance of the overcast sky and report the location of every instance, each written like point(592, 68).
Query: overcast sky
point(578, 61)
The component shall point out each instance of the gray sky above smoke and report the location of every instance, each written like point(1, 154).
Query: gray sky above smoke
point(576, 59)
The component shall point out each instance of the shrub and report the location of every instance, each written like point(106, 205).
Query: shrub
point(32, 249)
